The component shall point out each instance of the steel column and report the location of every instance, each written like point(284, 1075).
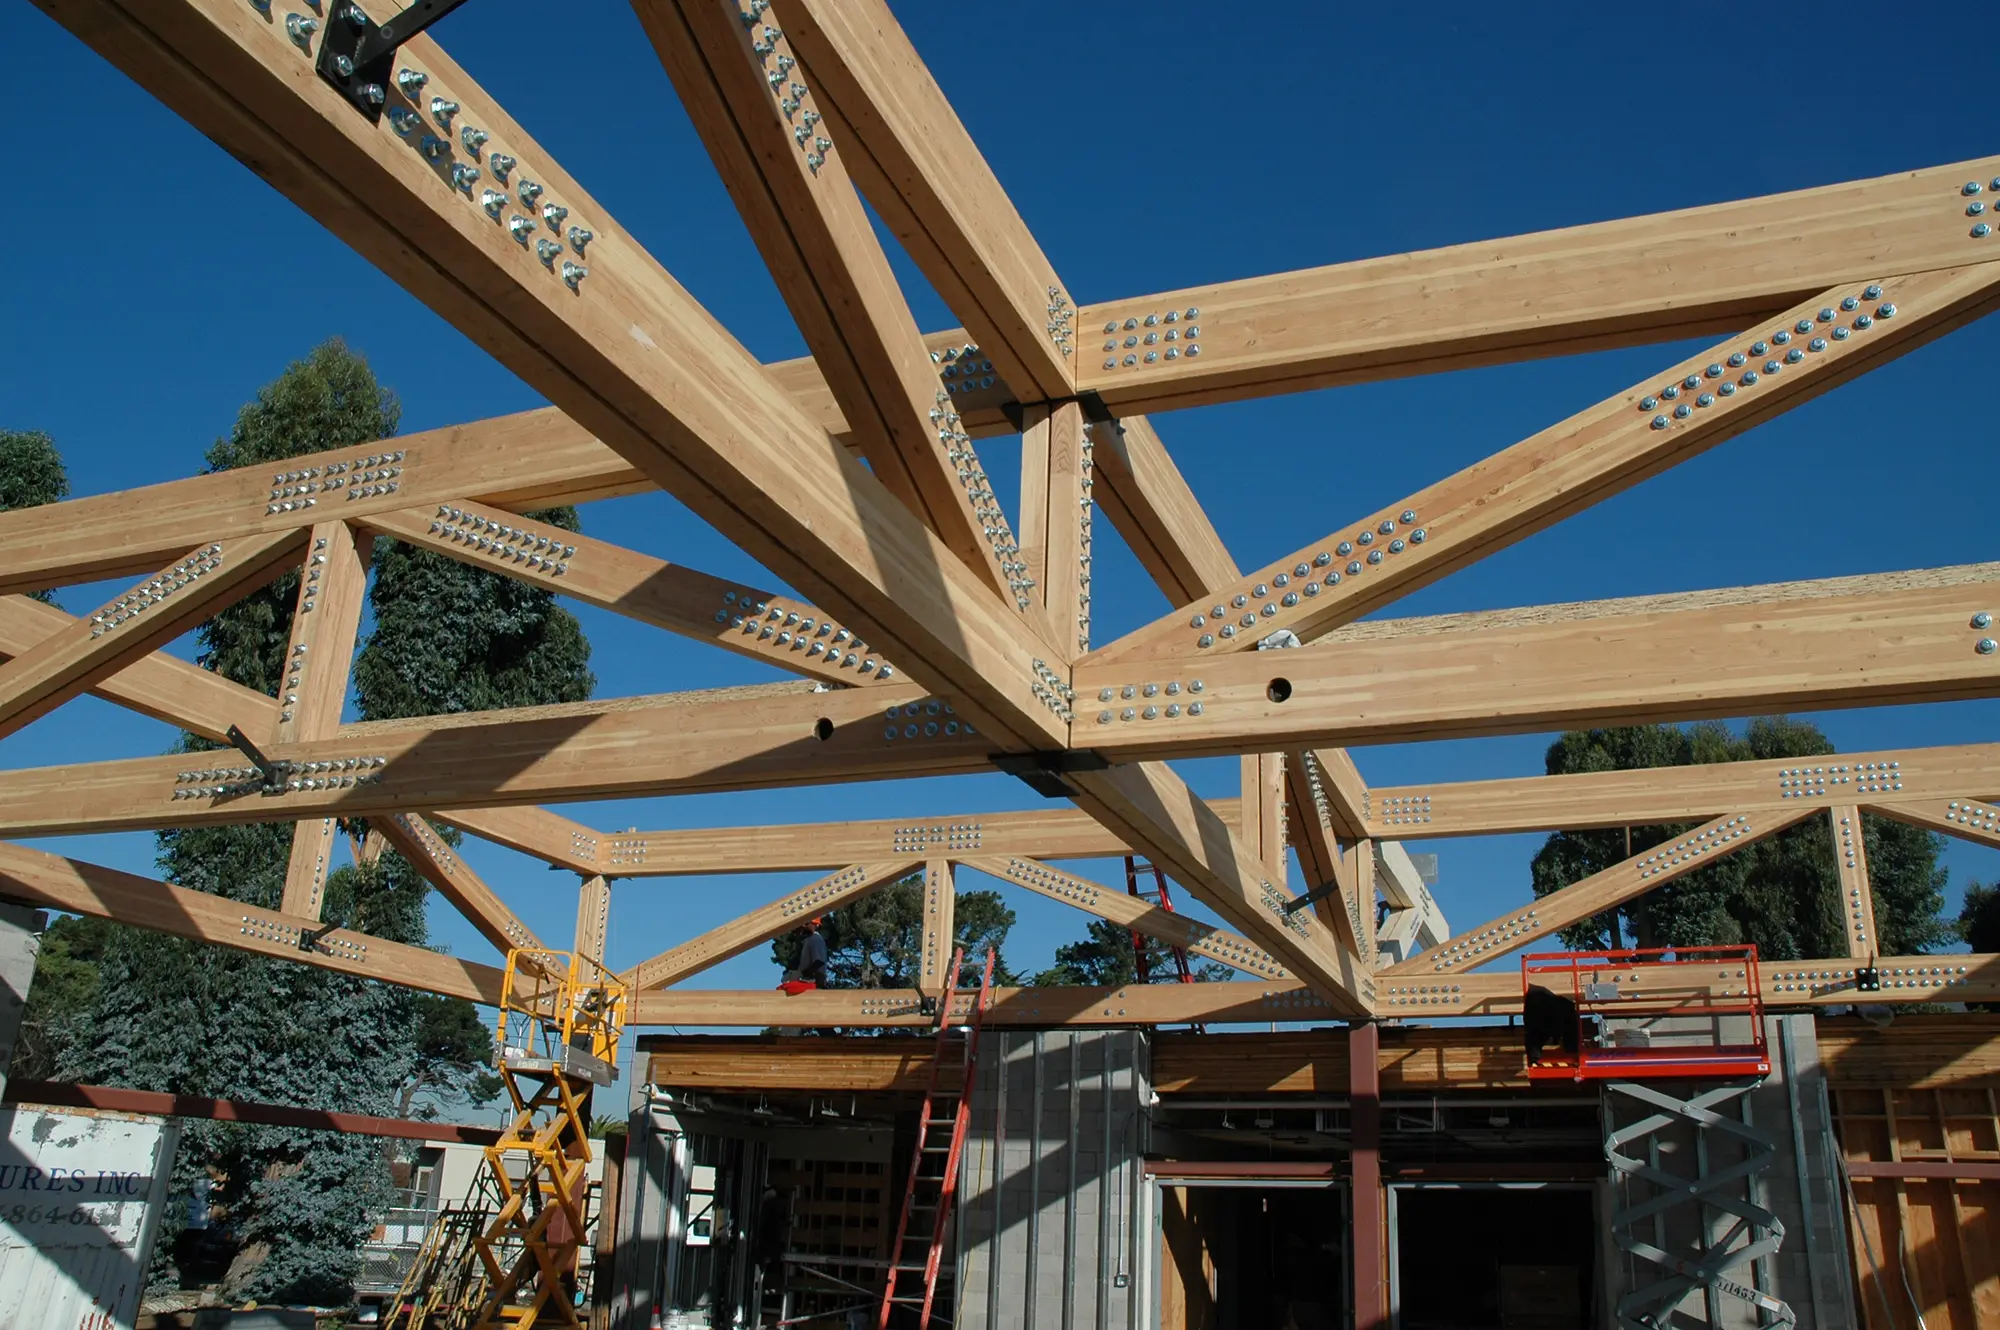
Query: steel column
point(1364, 1090)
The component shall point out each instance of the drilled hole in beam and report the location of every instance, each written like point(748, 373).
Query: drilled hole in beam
point(1278, 690)
point(822, 729)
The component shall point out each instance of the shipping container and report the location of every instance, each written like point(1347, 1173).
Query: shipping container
point(81, 1194)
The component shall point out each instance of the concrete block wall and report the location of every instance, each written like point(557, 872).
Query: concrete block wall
point(1810, 1270)
point(1048, 1224)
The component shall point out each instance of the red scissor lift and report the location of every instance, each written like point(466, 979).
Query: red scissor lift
point(1598, 1015)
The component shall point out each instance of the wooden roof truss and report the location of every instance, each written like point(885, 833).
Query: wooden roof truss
point(931, 634)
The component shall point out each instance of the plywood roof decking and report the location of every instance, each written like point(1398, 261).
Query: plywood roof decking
point(1914, 1052)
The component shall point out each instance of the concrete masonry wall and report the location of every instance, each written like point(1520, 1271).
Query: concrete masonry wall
point(1048, 1226)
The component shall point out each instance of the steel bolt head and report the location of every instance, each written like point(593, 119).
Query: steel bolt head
point(1987, 646)
point(1683, 411)
point(1982, 620)
point(1885, 312)
point(1981, 230)
point(1971, 187)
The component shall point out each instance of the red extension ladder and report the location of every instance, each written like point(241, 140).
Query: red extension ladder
point(934, 1168)
point(1143, 965)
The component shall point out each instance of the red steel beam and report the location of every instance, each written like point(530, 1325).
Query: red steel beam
point(54, 1094)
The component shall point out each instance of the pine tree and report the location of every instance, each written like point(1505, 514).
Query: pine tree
point(1782, 893)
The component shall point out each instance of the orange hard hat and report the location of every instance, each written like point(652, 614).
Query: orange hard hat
point(816, 921)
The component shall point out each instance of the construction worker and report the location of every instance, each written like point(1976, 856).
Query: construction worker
point(810, 972)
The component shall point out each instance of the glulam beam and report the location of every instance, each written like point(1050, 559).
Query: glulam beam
point(1057, 461)
point(593, 919)
point(933, 188)
point(1655, 424)
point(1687, 273)
point(720, 739)
point(1870, 641)
point(936, 933)
point(762, 625)
point(1900, 782)
point(1791, 985)
point(767, 135)
point(1974, 820)
point(106, 893)
point(1056, 832)
point(319, 661)
point(1856, 901)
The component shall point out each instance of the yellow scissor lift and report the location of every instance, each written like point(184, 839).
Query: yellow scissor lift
point(560, 1018)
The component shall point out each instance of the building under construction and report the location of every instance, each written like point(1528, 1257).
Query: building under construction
point(1384, 1117)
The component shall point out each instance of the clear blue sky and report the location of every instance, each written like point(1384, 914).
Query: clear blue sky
point(158, 284)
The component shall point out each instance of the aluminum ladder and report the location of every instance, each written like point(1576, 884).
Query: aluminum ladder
point(1142, 961)
point(933, 1182)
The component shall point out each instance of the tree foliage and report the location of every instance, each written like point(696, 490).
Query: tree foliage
point(1978, 922)
point(1782, 893)
point(877, 942)
point(1106, 958)
point(31, 474)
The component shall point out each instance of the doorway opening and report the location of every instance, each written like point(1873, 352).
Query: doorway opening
point(1255, 1255)
point(1496, 1257)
